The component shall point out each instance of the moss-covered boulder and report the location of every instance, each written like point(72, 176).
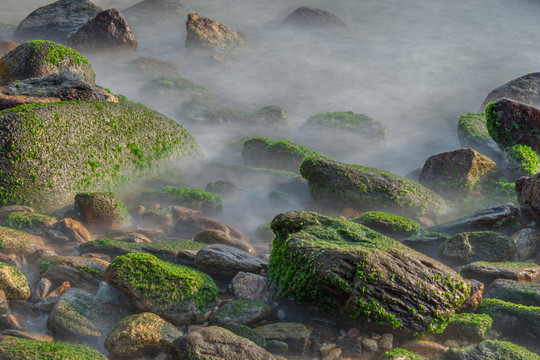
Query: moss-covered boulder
point(177, 293)
point(366, 188)
point(13, 283)
point(512, 319)
point(401, 354)
point(281, 155)
point(388, 224)
point(473, 133)
point(82, 272)
point(192, 198)
point(514, 291)
point(205, 33)
point(528, 194)
point(217, 343)
point(20, 243)
point(57, 150)
point(141, 334)
point(477, 246)
point(349, 269)
point(38, 58)
point(269, 118)
point(246, 332)
point(241, 312)
point(30, 222)
point(525, 89)
point(520, 160)
point(493, 350)
point(100, 210)
point(15, 348)
point(347, 121)
point(169, 88)
point(486, 272)
point(468, 326)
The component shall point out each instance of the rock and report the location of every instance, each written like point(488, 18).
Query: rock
point(270, 118)
point(366, 189)
point(528, 194)
point(64, 86)
point(475, 295)
point(154, 67)
point(486, 272)
point(334, 354)
point(4, 304)
point(19, 243)
point(428, 349)
point(280, 155)
point(30, 222)
point(370, 345)
point(512, 319)
point(525, 89)
point(100, 211)
point(53, 164)
point(468, 326)
point(6, 210)
point(82, 272)
point(473, 133)
point(221, 343)
point(352, 348)
point(182, 212)
point(205, 33)
point(514, 291)
point(165, 89)
point(159, 218)
point(13, 283)
point(277, 347)
point(527, 242)
point(295, 335)
point(83, 316)
point(74, 230)
point(221, 188)
point(458, 172)
point(388, 224)
point(345, 122)
point(477, 246)
point(500, 218)
point(386, 342)
point(493, 350)
point(244, 331)
point(27, 335)
point(312, 18)
point(401, 354)
point(42, 289)
point(192, 198)
point(14, 348)
point(218, 237)
point(312, 260)
point(248, 286)
point(40, 58)
point(175, 292)
point(242, 312)
point(6, 46)
point(510, 122)
point(191, 226)
point(152, 11)
point(109, 30)
point(225, 261)
point(520, 160)
point(12, 322)
point(56, 21)
point(141, 334)
point(9, 101)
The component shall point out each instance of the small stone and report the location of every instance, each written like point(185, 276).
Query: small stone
point(370, 345)
point(248, 286)
point(451, 343)
point(376, 337)
point(281, 314)
point(386, 342)
point(353, 332)
point(335, 354)
point(277, 347)
point(42, 289)
point(325, 349)
point(59, 290)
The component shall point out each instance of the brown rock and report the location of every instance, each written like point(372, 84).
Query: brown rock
point(74, 230)
point(205, 33)
point(190, 226)
point(334, 354)
point(386, 343)
point(525, 89)
point(475, 296)
point(528, 193)
point(428, 349)
point(10, 101)
point(27, 335)
point(182, 212)
point(248, 286)
point(218, 237)
point(98, 211)
point(486, 272)
point(10, 321)
point(6, 46)
point(82, 272)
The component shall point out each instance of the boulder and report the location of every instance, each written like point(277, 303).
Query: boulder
point(365, 188)
point(528, 193)
point(527, 243)
point(109, 30)
point(486, 272)
point(468, 326)
point(226, 262)
point(166, 89)
point(458, 172)
point(56, 21)
point(13, 283)
point(401, 354)
point(177, 293)
point(221, 343)
point(20, 243)
point(388, 224)
point(58, 150)
point(349, 269)
point(249, 286)
point(15, 348)
point(493, 350)
point(312, 18)
point(73, 230)
point(141, 334)
point(473, 133)
point(514, 291)
point(525, 89)
point(157, 11)
point(183, 196)
point(519, 160)
point(271, 118)
point(190, 226)
point(100, 211)
point(346, 122)
point(11, 101)
point(82, 272)
point(6, 46)
point(477, 246)
point(154, 67)
point(243, 312)
point(295, 335)
point(205, 33)
point(30, 222)
point(158, 218)
point(219, 237)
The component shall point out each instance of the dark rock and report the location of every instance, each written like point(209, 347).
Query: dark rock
point(525, 89)
point(308, 17)
point(205, 33)
point(277, 347)
point(527, 242)
point(295, 335)
point(468, 326)
point(56, 21)
point(514, 291)
point(82, 272)
point(100, 211)
point(218, 237)
point(243, 312)
point(249, 286)
point(152, 11)
point(226, 261)
point(473, 133)
point(477, 246)
point(486, 272)
point(109, 30)
point(493, 350)
point(528, 193)
point(190, 226)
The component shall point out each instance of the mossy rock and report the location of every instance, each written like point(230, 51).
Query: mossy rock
point(269, 117)
point(512, 319)
point(100, 210)
point(13, 282)
point(241, 312)
point(56, 150)
point(401, 354)
point(349, 269)
point(477, 246)
point(295, 335)
point(520, 160)
point(182, 196)
point(207, 34)
point(177, 293)
point(473, 133)
point(280, 155)
point(486, 272)
point(84, 273)
point(14, 348)
point(514, 291)
point(30, 222)
point(388, 224)
point(347, 121)
point(365, 188)
point(175, 88)
point(16, 242)
point(468, 326)
point(246, 332)
point(493, 350)
point(141, 334)
point(38, 58)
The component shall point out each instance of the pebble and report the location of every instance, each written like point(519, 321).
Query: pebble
point(386, 342)
point(335, 354)
point(370, 345)
point(327, 348)
point(281, 314)
point(353, 332)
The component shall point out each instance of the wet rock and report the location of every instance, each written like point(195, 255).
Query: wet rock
point(242, 312)
point(527, 242)
point(457, 172)
point(528, 193)
point(350, 347)
point(30, 222)
point(218, 237)
point(386, 342)
point(191, 198)
point(13, 283)
point(334, 354)
point(99, 211)
point(340, 123)
point(42, 289)
point(295, 335)
point(10, 101)
point(205, 33)
point(6, 210)
point(493, 350)
point(312, 18)
point(189, 227)
point(514, 291)
point(512, 319)
point(56, 21)
point(477, 246)
point(6, 46)
point(82, 272)
point(312, 261)
point(74, 230)
point(468, 326)
point(159, 218)
point(271, 118)
point(83, 316)
point(15, 348)
point(10, 321)
point(109, 30)
point(65, 86)
point(277, 347)
point(246, 332)
point(248, 286)
point(175, 292)
point(475, 296)
point(226, 261)
point(57, 292)
point(473, 133)
point(4, 305)
point(27, 335)
point(486, 272)
point(500, 218)
point(519, 160)
point(388, 224)
point(141, 334)
point(365, 188)
point(370, 345)
point(150, 11)
point(40, 58)
point(402, 354)
point(525, 89)
point(428, 349)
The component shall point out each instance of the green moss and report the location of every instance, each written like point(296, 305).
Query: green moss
point(401, 354)
point(526, 158)
point(512, 317)
point(348, 120)
point(388, 224)
point(494, 350)
point(469, 326)
point(13, 282)
point(472, 128)
point(57, 53)
point(515, 292)
point(46, 265)
point(237, 308)
point(492, 120)
point(141, 247)
point(15, 348)
point(27, 220)
point(246, 332)
point(192, 198)
point(175, 87)
point(95, 273)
